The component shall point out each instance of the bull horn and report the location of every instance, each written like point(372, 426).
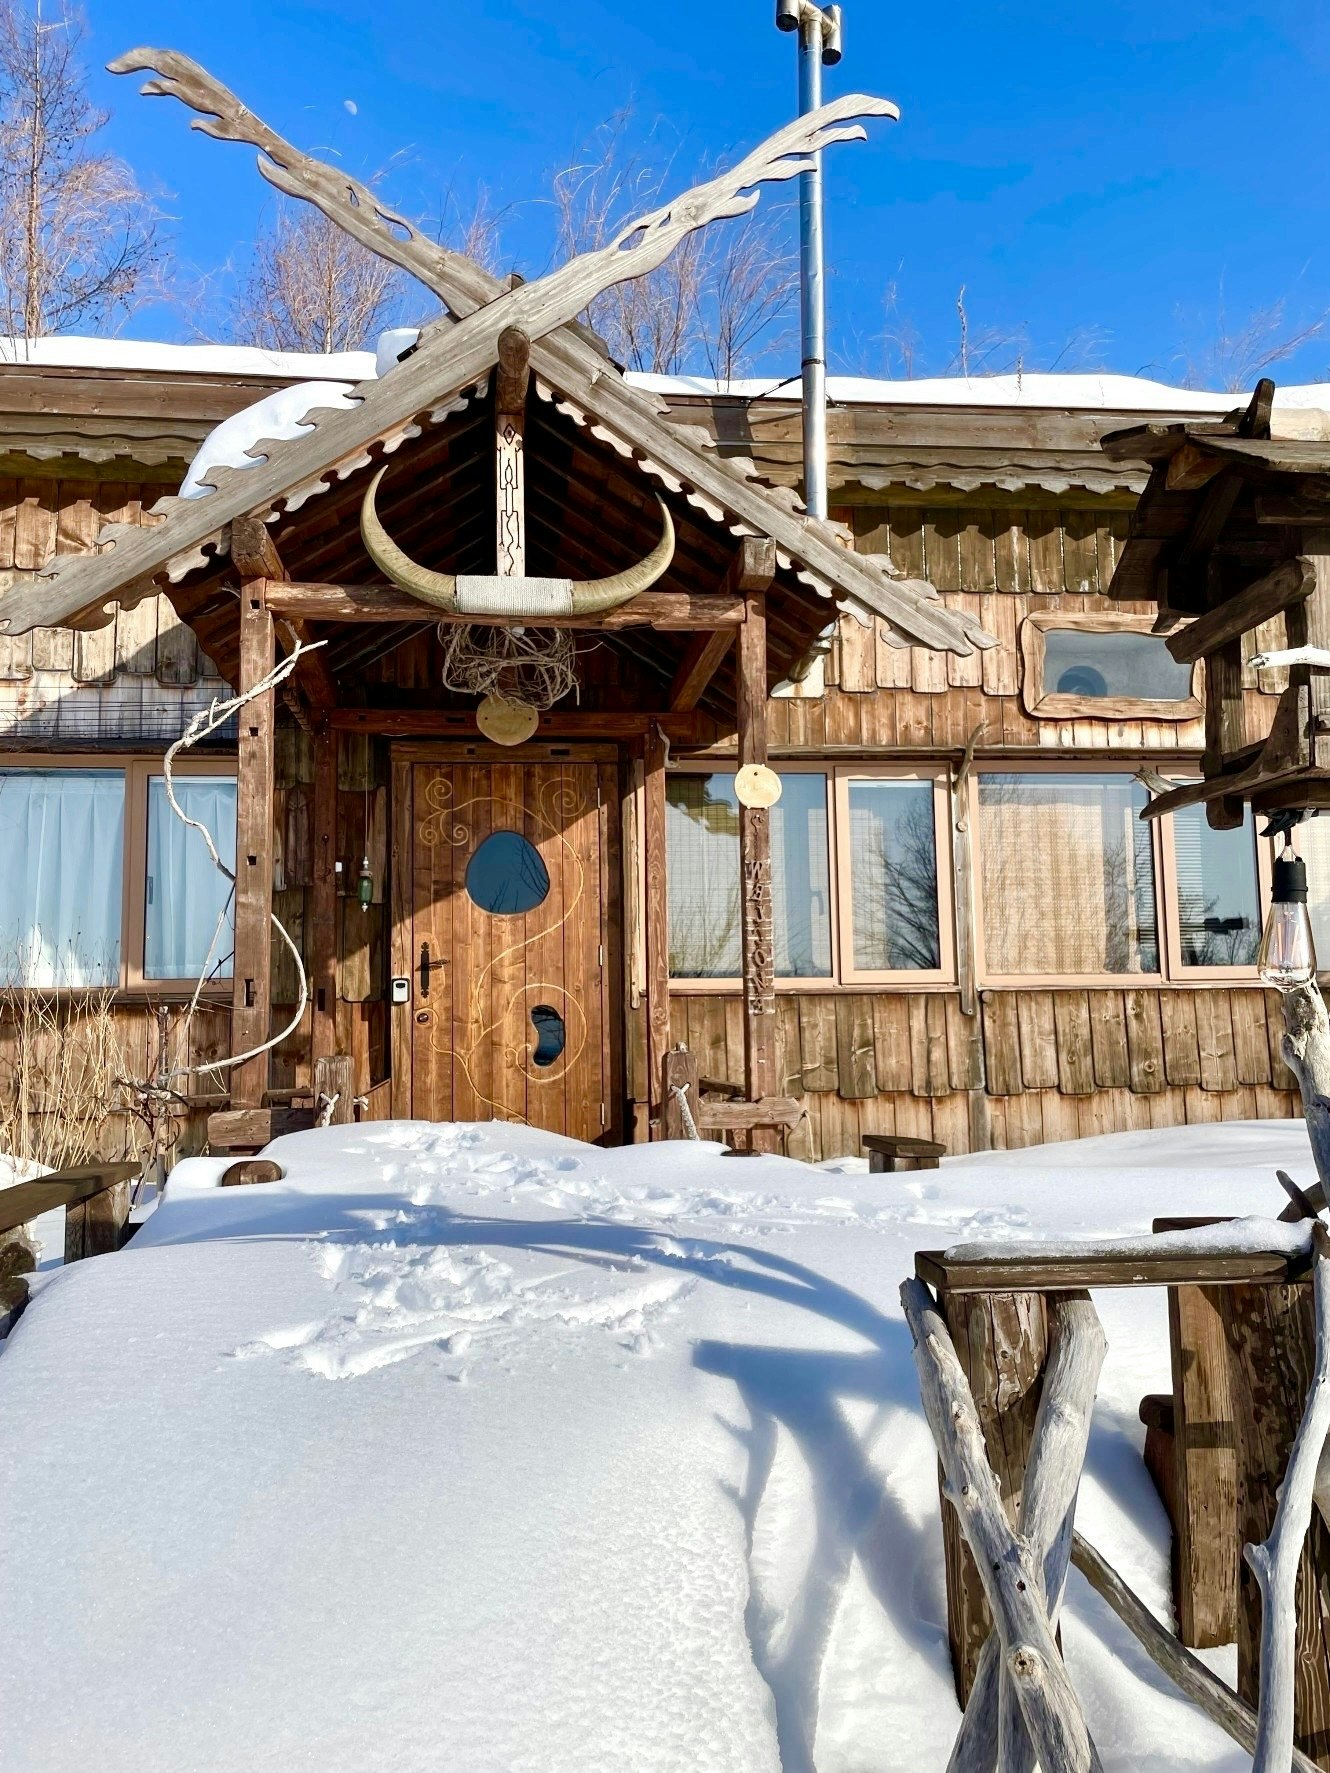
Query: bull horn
point(439, 589)
point(592, 596)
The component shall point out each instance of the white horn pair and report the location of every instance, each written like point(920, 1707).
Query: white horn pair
point(491, 596)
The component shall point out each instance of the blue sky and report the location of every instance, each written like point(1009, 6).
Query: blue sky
point(1114, 186)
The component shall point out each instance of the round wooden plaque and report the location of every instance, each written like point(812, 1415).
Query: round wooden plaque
point(506, 722)
point(756, 785)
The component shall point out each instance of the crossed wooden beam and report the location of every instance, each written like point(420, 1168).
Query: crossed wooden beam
point(1022, 1706)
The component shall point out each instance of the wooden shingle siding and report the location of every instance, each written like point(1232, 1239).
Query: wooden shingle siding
point(999, 564)
point(1031, 1066)
point(45, 513)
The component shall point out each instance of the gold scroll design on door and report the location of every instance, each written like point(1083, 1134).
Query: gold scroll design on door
point(448, 824)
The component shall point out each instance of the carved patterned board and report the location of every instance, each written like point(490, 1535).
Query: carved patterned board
point(477, 1051)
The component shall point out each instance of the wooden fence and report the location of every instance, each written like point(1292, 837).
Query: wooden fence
point(1009, 1346)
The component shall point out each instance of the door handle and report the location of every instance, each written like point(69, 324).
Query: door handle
point(427, 966)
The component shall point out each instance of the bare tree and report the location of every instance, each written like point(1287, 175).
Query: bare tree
point(311, 287)
point(1239, 352)
point(713, 305)
point(78, 239)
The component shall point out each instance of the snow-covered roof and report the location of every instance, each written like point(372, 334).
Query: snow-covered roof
point(1096, 392)
point(146, 356)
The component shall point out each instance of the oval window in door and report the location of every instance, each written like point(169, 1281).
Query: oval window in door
point(552, 1035)
point(506, 876)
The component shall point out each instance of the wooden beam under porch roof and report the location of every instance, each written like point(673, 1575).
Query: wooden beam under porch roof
point(669, 611)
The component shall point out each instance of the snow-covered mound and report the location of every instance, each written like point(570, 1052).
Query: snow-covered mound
point(469, 1447)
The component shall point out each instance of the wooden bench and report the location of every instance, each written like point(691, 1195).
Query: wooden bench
point(894, 1151)
point(732, 1117)
point(95, 1198)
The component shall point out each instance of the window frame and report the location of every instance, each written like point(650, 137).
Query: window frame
point(1043, 704)
point(1173, 974)
point(137, 771)
point(1178, 971)
point(846, 972)
point(843, 976)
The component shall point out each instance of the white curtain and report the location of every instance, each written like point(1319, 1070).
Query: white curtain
point(185, 893)
point(61, 869)
point(1067, 874)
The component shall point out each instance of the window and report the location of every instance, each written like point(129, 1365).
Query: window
point(100, 883)
point(892, 907)
point(1073, 884)
point(702, 834)
point(189, 916)
point(1311, 840)
point(62, 836)
point(854, 876)
point(1110, 665)
point(1066, 875)
point(507, 876)
point(1217, 890)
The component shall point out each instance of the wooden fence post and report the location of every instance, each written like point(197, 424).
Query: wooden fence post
point(1271, 1339)
point(656, 917)
point(1001, 1340)
point(1205, 1531)
point(334, 1081)
point(680, 1071)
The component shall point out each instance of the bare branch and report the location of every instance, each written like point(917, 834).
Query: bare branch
point(708, 307)
point(311, 287)
point(78, 238)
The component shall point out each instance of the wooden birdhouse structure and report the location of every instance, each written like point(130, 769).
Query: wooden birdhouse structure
point(1233, 533)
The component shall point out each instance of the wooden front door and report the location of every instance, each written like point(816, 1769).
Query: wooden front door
point(509, 887)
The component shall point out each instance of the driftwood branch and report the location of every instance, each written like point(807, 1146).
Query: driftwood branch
point(993, 1732)
point(647, 242)
point(1187, 1672)
point(1031, 1663)
point(1306, 1047)
point(1275, 1563)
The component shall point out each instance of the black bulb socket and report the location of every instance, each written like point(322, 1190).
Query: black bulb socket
point(1290, 881)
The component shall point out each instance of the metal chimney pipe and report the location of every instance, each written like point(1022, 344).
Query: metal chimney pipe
point(820, 38)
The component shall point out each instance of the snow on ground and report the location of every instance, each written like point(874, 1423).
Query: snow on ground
point(476, 1448)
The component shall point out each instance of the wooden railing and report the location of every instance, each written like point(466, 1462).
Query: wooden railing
point(96, 1202)
point(1008, 1347)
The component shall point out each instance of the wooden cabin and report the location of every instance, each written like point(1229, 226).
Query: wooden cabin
point(974, 938)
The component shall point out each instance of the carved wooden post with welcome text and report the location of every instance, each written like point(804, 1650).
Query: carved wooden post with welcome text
point(758, 923)
point(251, 1002)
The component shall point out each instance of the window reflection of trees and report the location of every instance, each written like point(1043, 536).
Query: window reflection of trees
point(704, 885)
point(893, 873)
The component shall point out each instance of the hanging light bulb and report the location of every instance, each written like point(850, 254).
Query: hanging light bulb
point(1287, 955)
point(365, 887)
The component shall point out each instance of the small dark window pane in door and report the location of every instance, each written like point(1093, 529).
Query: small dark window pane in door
point(506, 876)
point(551, 1034)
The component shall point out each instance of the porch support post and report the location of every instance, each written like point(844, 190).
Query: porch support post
point(251, 1008)
point(323, 900)
point(657, 920)
point(755, 856)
